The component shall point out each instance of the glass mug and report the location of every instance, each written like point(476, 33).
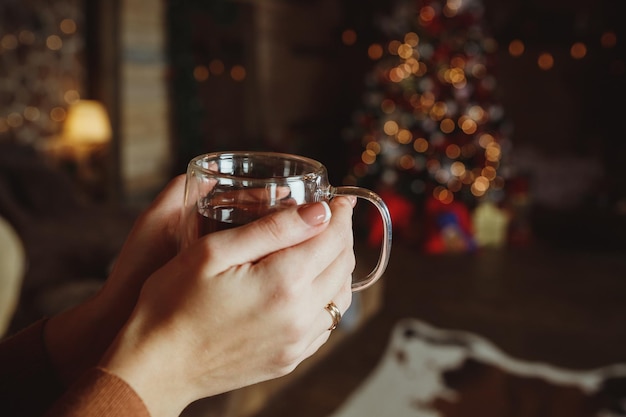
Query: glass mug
point(228, 189)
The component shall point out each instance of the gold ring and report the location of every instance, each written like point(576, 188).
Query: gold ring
point(334, 313)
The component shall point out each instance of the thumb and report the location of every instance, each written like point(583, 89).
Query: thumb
point(271, 233)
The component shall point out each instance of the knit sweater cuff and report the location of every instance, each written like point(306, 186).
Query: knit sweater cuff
point(99, 393)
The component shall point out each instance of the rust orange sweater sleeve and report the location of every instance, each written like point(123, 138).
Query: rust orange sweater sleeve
point(29, 386)
point(28, 383)
point(99, 393)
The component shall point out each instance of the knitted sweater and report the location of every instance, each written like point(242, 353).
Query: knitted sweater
point(29, 385)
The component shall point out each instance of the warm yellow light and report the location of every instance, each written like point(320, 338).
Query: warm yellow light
point(480, 186)
point(71, 96)
point(9, 41)
point(54, 42)
point(489, 172)
point(479, 70)
point(412, 38)
point(375, 51)
point(444, 195)
point(469, 126)
point(374, 147)
point(390, 127)
point(406, 162)
point(423, 69)
point(58, 114)
point(578, 50)
point(485, 140)
point(348, 37)
point(447, 125)
point(404, 136)
point(439, 110)
point(420, 145)
point(405, 51)
point(477, 113)
point(393, 46)
point(457, 168)
point(15, 120)
point(427, 99)
point(201, 73)
point(368, 157)
point(87, 123)
point(413, 65)
point(238, 73)
point(457, 62)
point(492, 153)
point(455, 75)
point(68, 26)
point(454, 5)
point(453, 151)
point(449, 12)
point(426, 15)
point(608, 40)
point(545, 61)
point(396, 75)
point(516, 47)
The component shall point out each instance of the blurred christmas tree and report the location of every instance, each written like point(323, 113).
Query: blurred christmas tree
point(431, 127)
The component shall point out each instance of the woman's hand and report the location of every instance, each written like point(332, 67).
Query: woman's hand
point(77, 339)
point(237, 307)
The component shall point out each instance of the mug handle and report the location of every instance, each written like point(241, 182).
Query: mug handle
point(385, 251)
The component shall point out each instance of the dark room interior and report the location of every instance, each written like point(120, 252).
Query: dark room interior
point(493, 129)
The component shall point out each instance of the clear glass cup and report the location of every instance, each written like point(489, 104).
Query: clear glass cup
point(228, 189)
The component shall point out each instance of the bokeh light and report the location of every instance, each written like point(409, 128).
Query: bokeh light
point(578, 50)
point(420, 145)
point(545, 61)
point(216, 67)
point(516, 47)
point(68, 26)
point(390, 127)
point(348, 37)
point(200, 73)
point(54, 42)
point(447, 125)
point(608, 39)
point(238, 73)
point(375, 51)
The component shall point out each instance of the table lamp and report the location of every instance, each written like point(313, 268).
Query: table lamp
point(87, 125)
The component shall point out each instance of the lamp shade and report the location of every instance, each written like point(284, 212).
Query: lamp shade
point(87, 123)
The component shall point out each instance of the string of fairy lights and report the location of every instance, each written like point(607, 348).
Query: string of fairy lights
point(578, 50)
point(41, 75)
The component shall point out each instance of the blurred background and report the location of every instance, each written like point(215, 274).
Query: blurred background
point(494, 130)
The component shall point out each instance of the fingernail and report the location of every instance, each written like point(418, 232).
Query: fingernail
point(352, 200)
point(315, 214)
